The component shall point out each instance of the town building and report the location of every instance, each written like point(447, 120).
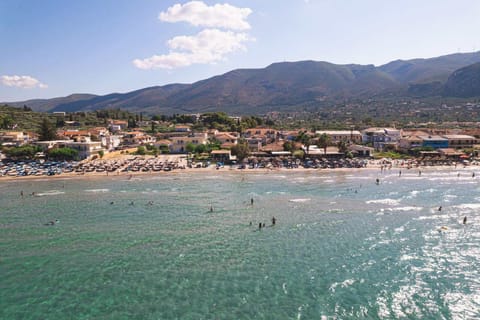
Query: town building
point(460, 141)
point(179, 144)
point(336, 136)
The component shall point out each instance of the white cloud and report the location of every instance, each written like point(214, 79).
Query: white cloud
point(198, 13)
point(26, 82)
point(208, 46)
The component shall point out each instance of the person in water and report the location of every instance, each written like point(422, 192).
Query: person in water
point(377, 181)
point(52, 223)
point(465, 220)
point(259, 226)
point(440, 208)
point(251, 201)
point(273, 221)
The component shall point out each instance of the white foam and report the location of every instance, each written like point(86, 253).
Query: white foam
point(469, 206)
point(50, 193)
point(97, 190)
point(300, 200)
point(407, 208)
point(384, 201)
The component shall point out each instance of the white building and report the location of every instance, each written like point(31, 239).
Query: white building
point(179, 144)
point(342, 135)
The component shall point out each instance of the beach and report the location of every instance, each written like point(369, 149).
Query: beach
point(123, 165)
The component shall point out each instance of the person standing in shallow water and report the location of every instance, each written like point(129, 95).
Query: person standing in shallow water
point(273, 221)
point(465, 220)
point(251, 201)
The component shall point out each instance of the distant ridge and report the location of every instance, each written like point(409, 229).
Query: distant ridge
point(464, 83)
point(285, 84)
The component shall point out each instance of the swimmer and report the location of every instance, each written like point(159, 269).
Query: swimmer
point(52, 223)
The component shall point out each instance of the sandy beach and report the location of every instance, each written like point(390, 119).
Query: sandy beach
point(180, 165)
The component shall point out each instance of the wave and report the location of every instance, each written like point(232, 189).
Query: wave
point(384, 201)
point(300, 200)
point(49, 193)
point(97, 190)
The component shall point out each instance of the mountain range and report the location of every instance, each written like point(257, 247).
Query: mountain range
point(289, 85)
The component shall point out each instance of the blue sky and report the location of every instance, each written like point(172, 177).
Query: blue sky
point(54, 48)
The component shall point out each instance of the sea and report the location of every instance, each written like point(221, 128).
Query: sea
point(188, 245)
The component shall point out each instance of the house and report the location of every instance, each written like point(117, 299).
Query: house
point(434, 142)
point(111, 141)
point(182, 128)
point(342, 135)
point(409, 142)
point(266, 135)
point(224, 156)
point(254, 144)
point(117, 125)
point(381, 137)
point(136, 138)
point(70, 134)
point(227, 140)
point(85, 147)
point(460, 141)
point(360, 151)
point(179, 144)
point(16, 138)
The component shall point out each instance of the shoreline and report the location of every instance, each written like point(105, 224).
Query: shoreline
point(233, 170)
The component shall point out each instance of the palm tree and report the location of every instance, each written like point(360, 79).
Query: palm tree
point(305, 139)
point(323, 142)
point(342, 146)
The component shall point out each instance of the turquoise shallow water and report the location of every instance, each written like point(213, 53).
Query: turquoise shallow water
point(343, 247)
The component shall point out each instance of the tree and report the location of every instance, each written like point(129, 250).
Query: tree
point(23, 152)
point(289, 146)
point(323, 142)
point(141, 150)
point(47, 131)
point(200, 148)
point(63, 154)
point(241, 150)
point(305, 139)
point(190, 147)
point(342, 146)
